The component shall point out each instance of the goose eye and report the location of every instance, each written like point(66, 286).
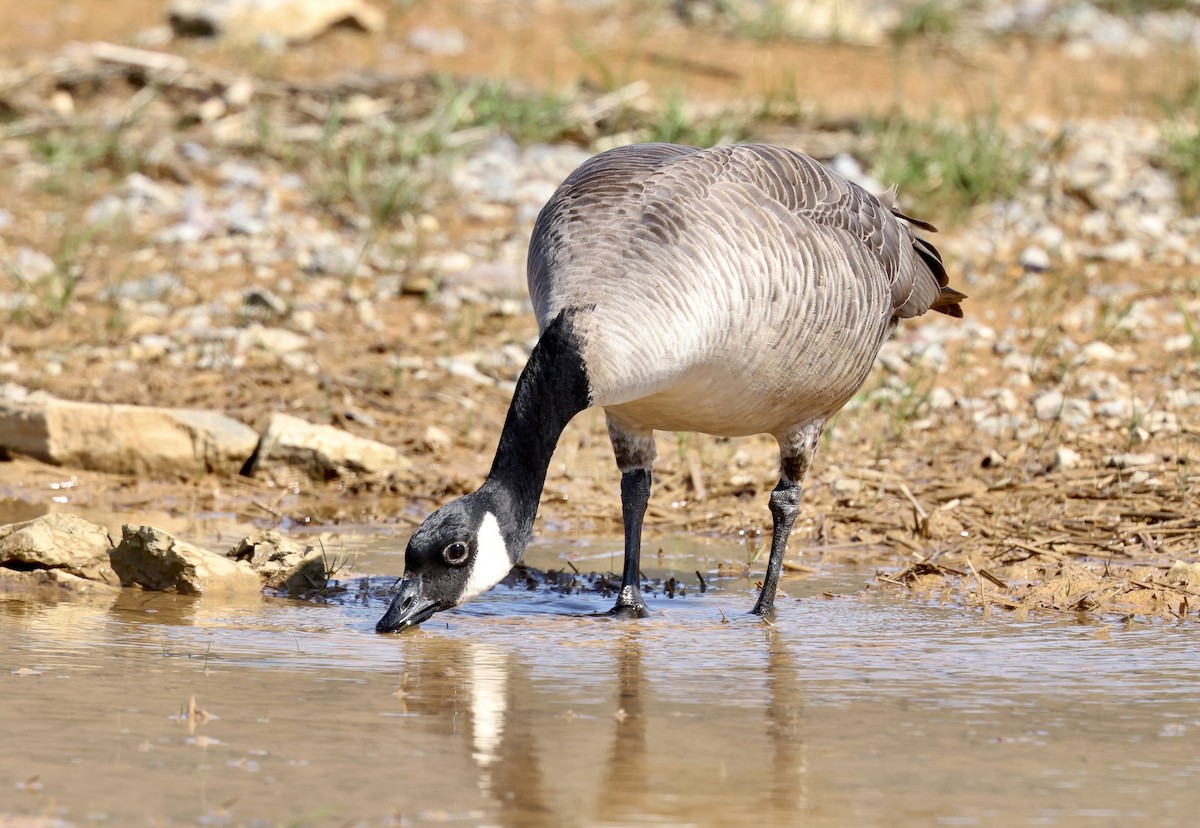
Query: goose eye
point(456, 553)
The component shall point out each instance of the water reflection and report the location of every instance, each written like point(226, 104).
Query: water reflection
point(785, 724)
point(627, 775)
point(624, 738)
point(859, 711)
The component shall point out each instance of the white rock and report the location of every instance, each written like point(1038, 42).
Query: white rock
point(1127, 251)
point(892, 362)
point(1098, 352)
point(940, 399)
point(1035, 259)
point(1176, 344)
point(1075, 412)
point(1066, 458)
point(1120, 408)
point(273, 340)
point(1048, 404)
point(435, 439)
point(1005, 400)
point(1129, 460)
point(437, 41)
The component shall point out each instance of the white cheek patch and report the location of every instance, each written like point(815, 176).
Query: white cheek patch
point(491, 562)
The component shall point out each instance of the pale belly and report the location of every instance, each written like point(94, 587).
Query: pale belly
point(714, 401)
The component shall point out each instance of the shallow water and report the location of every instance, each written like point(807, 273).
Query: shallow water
point(854, 710)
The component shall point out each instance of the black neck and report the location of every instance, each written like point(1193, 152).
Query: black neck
point(551, 390)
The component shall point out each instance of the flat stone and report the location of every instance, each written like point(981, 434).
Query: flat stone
point(155, 560)
point(292, 446)
point(123, 439)
point(59, 542)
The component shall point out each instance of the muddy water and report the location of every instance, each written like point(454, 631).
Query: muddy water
point(851, 710)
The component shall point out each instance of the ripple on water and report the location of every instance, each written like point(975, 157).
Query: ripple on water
point(863, 706)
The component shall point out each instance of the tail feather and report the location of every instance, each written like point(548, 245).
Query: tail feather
point(924, 225)
point(947, 298)
point(947, 302)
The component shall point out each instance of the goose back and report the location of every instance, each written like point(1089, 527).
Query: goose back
point(734, 290)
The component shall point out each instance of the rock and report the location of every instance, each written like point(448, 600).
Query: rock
point(124, 439)
point(1034, 259)
point(1065, 459)
point(417, 285)
point(290, 21)
point(1099, 352)
point(1187, 573)
point(435, 41)
point(152, 559)
point(846, 489)
point(1048, 404)
point(436, 439)
point(32, 265)
point(941, 525)
point(142, 290)
point(940, 399)
point(272, 340)
point(282, 564)
point(1075, 412)
point(61, 543)
point(291, 445)
point(861, 22)
point(847, 165)
point(1129, 460)
point(257, 299)
point(49, 583)
point(993, 459)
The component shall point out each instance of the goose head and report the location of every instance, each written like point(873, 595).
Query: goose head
point(458, 553)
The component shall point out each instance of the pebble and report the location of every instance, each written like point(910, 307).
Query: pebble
point(437, 41)
point(1035, 259)
point(1129, 460)
point(1066, 459)
point(437, 440)
point(32, 265)
point(272, 340)
point(1048, 404)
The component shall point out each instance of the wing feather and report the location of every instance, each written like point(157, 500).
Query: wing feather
point(648, 188)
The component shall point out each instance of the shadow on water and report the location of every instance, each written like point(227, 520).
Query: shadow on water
point(855, 710)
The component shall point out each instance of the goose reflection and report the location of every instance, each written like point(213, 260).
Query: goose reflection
point(479, 696)
point(785, 728)
point(616, 735)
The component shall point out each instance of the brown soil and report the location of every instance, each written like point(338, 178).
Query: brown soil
point(1015, 533)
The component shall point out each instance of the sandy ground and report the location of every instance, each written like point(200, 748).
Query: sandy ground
point(945, 509)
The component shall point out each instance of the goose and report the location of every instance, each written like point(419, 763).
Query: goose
point(734, 290)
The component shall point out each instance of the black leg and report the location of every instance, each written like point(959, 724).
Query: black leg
point(796, 451)
point(785, 505)
point(635, 494)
